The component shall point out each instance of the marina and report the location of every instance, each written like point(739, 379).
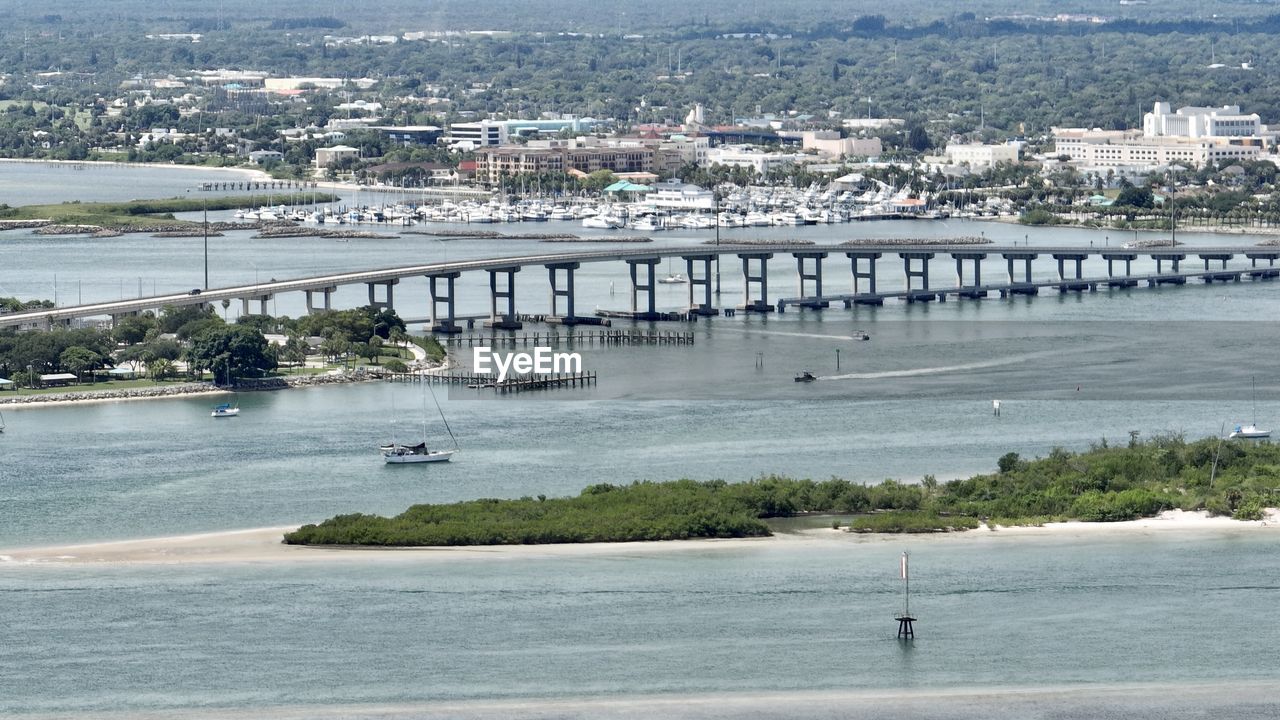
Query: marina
point(752, 619)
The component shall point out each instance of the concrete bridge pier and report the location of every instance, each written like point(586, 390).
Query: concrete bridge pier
point(447, 324)
point(1064, 280)
point(761, 278)
point(647, 285)
point(507, 320)
point(703, 280)
point(1127, 280)
point(117, 317)
point(326, 293)
point(924, 294)
point(1225, 275)
point(373, 299)
point(864, 296)
point(815, 276)
point(557, 291)
point(1270, 271)
point(1023, 286)
point(1161, 278)
point(262, 304)
point(971, 291)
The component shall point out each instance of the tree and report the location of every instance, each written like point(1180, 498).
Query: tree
point(77, 359)
point(918, 139)
point(230, 351)
point(1136, 196)
point(133, 329)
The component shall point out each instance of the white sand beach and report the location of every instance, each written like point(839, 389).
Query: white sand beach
point(264, 545)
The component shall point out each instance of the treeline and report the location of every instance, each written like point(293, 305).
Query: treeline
point(1104, 484)
point(196, 335)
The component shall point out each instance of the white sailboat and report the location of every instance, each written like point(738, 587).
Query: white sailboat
point(1251, 431)
point(673, 278)
point(227, 410)
point(398, 454)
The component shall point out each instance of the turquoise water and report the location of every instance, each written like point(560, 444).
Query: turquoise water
point(810, 621)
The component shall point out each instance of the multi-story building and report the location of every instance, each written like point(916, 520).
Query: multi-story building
point(979, 155)
point(1117, 148)
point(760, 161)
point(1200, 122)
point(332, 155)
point(492, 164)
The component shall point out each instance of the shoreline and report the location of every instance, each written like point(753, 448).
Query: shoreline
point(250, 172)
point(265, 545)
point(1227, 698)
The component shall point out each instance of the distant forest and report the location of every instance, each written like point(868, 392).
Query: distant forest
point(994, 68)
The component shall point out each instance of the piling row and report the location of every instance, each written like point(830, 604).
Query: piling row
point(604, 338)
point(510, 385)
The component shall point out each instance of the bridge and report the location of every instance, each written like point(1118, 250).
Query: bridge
point(642, 263)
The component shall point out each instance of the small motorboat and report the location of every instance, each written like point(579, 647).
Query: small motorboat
point(805, 376)
point(859, 335)
point(1249, 432)
point(674, 279)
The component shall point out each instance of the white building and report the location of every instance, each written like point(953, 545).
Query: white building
point(485, 133)
point(674, 195)
point(828, 143)
point(978, 155)
point(332, 155)
point(1117, 148)
point(1200, 122)
point(749, 156)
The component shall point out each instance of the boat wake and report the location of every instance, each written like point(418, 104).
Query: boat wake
point(915, 372)
point(794, 334)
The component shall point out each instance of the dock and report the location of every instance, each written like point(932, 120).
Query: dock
point(517, 384)
point(591, 338)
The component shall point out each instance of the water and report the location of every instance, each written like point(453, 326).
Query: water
point(807, 621)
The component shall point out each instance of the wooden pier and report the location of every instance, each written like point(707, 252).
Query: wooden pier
point(603, 338)
point(521, 383)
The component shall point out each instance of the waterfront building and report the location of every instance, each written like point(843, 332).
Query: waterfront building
point(408, 135)
point(492, 164)
point(333, 155)
point(675, 195)
point(761, 161)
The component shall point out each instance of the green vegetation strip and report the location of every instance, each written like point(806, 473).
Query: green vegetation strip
point(1102, 484)
point(139, 213)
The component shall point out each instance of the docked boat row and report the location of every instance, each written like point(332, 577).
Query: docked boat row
point(644, 212)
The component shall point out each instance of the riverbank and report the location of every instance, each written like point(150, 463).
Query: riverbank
point(184, 390)
point(249, 173)
point(266, 545)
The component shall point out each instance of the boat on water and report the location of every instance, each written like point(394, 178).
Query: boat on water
point(805, 377)
point(860, 335)
point(225, 410)
point(674, 279)
point(419, 453)
point(1251, 431)
point(400, 454)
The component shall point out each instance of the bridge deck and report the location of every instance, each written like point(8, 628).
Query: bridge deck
point(317, 283)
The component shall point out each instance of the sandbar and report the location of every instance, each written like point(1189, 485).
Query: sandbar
point(264, 545)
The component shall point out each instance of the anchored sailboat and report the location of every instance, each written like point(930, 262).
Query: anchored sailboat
point(397, 454)
point(1251, 431)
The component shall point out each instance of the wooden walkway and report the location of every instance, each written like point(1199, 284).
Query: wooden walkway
point(603, 338)
point(522, 383)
